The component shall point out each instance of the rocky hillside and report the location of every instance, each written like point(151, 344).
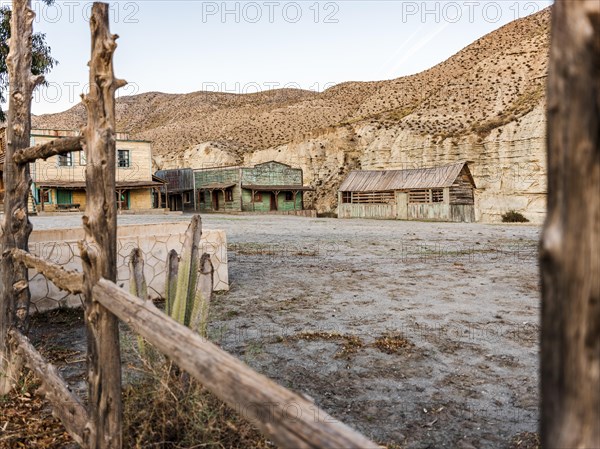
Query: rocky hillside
point(484, 104)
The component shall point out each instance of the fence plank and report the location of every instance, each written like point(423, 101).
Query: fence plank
point(67, 280)
point(99, 248)
point(65, 405)
point(289, 419)
point(15, 296)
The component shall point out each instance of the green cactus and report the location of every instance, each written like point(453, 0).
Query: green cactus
point(188, 285)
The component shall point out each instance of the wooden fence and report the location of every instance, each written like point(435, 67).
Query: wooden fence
point(99, 425)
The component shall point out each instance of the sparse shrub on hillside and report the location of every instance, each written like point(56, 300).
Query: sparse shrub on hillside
point(513, 217)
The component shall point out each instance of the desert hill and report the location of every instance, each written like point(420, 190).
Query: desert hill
point(471, 106)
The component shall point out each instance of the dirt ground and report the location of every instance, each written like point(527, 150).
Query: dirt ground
point(420, 335)
point(312, 301)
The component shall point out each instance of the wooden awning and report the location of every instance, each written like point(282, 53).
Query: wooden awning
point(79, 185)
point(279, 188)
point(216, 186)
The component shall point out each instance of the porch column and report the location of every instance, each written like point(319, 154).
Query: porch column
point(253, 209)
point(119, 200)
point(224, 199)
point(276, 193)
point(295, 193)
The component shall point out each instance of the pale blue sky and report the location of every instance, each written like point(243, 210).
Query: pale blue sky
point(185, 46)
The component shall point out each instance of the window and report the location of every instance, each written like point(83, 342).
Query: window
point(289, 196)
point(202, 198)
point(258, 197)
point(82, 158)
point(418, 196)
point(65, 160)
point(187, 197)
point(229, 195)
point(368, 197)
point(437, 195)
point(123, 158)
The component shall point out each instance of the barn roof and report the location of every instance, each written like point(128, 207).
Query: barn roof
point(390, 180)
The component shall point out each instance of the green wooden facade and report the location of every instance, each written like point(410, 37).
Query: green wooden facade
point(267, 187)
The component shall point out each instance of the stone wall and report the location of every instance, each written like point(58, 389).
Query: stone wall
point(155, 241)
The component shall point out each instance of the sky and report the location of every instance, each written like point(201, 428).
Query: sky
point(247, 46)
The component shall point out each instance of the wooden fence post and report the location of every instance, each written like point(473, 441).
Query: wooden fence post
point(99, 247)
point(14, 299)
point(570, 257)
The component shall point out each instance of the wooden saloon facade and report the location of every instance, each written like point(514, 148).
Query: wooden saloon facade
point(267, 187)
point(443, 193)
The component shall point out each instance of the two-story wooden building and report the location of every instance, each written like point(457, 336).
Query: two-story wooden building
point(59, 181)
point(268, 187)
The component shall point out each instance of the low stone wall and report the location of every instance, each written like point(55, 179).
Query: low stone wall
point(155, 241)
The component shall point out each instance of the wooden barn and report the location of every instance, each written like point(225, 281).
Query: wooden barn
point(444, 193)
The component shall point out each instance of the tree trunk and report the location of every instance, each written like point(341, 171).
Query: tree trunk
point(99, 248)
point(570, 252)
point(14, 299)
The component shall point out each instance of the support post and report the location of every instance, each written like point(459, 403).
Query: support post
point(99, 247)
point(570, 261)
point(15, 296)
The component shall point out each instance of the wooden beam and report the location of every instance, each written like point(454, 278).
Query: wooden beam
point(15, 296)
point(569, 256)
point(49, 149)
point(65, 405)
point(99, 247)
point(70, 281)
point(289, 419)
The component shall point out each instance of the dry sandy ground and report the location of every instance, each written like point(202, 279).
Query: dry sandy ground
point(311, 301)
point(459, 301)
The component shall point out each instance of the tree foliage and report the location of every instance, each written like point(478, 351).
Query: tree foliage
point(42, 61)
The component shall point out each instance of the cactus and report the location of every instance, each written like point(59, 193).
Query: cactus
point(187, 274)
point(203, 294)
point(188, 285)
point(138, 287)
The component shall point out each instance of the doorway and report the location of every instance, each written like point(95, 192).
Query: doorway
point(273, 201)
point(215, 200)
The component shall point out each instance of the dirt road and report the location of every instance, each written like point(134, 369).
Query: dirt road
point(420, 334)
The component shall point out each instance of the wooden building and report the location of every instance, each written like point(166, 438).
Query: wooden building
point(444, 193)
point(178, 189)
point(59, 181)
point(268, 187)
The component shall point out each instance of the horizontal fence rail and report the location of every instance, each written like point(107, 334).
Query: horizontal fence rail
point(286, 417)
point(65, 405)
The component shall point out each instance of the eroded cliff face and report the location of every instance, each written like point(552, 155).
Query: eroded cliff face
point(508, 165)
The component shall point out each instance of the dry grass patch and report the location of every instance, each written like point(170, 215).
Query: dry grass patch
point(167, 409)
point(392, 344)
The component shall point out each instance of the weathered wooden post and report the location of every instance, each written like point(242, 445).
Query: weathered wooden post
point(99, 248)
point(570, 247)
point(14, 298)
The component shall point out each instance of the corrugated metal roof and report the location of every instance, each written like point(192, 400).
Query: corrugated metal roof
point(390, 180)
